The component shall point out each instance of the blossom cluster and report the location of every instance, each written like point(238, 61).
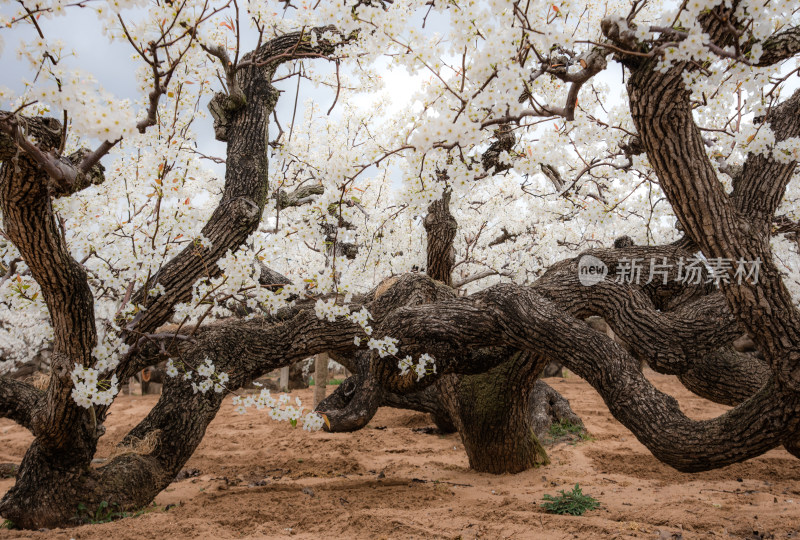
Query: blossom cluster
point(89, 389)
point(382, 156)
point(207, 376)
point(329, 310)
point(92, 385)
point(94, 113)
point(385, 347)
point(420, 368)
point(280, 409)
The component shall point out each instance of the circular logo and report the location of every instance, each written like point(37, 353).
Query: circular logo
point(591, 270)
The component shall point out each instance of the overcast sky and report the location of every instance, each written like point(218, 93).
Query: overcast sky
point(113, 66)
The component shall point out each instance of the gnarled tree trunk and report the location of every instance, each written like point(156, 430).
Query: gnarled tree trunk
point(55, 475)
point(494, 412)
point(493, 341)
point(491, 410)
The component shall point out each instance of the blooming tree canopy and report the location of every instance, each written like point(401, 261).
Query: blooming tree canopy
point(485, 144)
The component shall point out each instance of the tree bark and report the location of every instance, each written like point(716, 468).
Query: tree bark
point(488, 347)
point(55, 474)
point(491, 412)
point(456, 331)
point(441, 228)
point(298, 378)
point(735, 227)
point(320, 377)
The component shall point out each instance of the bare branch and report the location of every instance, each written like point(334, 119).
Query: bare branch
point(480, 275)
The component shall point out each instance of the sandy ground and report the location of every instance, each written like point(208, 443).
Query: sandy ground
point(262, 479)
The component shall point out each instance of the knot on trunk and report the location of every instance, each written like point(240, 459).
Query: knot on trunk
point(299, 196)
point(71, 166)
point(623, 34)
point(504, 142)
point(223, 107)
point(45, 132)
point(244, 212)
point(624, 242)
point(617, 30)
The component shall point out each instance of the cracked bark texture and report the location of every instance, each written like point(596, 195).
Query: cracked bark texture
point(502, 333)
point(494, 412)
point(489, 410)
point(54, 475)
point(441, 227)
